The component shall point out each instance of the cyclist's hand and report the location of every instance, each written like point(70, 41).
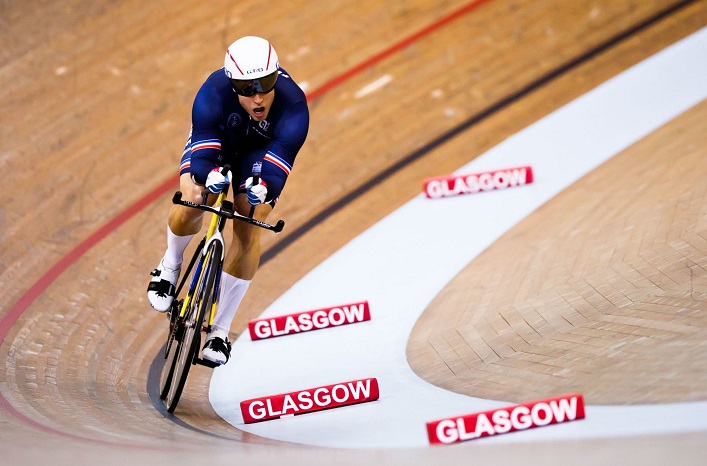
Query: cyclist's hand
point(256, 193)
point(216, 181)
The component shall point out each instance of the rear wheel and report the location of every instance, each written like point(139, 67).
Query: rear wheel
point(187, 338)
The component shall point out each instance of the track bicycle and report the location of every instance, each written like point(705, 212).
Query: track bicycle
point(194, 313)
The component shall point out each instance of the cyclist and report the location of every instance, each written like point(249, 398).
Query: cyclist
point(248, 114)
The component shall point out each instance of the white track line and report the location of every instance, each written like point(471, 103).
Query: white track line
point(400, 264)
point(374, 86)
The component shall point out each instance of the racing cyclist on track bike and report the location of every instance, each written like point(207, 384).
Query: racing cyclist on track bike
point(251, 115)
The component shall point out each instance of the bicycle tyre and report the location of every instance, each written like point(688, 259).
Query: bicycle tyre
point(176, 330)
point(173, 341)
point(187, 347)
point(173, 318)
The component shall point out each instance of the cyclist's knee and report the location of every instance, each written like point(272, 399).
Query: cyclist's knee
point(191, 191)
point(182, 214)
point(248, 235)
point(242, 206)
point(184, 221)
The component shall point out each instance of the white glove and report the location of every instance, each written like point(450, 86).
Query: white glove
point(216, 182)
point(256, 193)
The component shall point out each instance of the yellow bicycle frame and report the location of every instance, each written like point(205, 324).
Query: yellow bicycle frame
point(209, 233)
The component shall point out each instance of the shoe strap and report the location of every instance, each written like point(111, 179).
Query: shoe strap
point(219, 345)
point(161, 287)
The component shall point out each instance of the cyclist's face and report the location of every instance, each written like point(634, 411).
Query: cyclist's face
point(258, 105)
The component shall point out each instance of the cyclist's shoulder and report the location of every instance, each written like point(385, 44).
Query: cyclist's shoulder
point(288, 93)
point(290, 113)
point(215, 87)
point(213, 96)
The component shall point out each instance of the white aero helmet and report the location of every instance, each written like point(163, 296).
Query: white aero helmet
point(251, 65)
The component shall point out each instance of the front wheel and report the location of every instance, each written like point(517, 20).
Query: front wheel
point(187, 339)
point(171, 347)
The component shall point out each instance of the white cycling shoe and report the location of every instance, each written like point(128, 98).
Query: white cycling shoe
point(162, 287)
point(217, 350)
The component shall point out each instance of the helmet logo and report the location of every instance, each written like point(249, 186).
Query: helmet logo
point(256, 70)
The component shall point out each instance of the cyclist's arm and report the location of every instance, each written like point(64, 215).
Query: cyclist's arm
point(281, 152)
point(206, 138)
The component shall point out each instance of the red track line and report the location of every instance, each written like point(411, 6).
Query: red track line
point(75, 254)
point(335, 81)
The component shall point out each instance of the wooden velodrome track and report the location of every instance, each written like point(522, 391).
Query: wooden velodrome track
point(96, 100)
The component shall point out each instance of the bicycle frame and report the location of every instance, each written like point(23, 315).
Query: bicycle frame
point(222, 210)
point(188, 317)
point(214, 233)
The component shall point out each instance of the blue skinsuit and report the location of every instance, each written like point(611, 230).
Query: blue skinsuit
point(223, 133)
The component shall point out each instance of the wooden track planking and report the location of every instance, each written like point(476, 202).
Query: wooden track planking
point(137, 134)
point(598, 292)
point(137, 122)
point(122, 385)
